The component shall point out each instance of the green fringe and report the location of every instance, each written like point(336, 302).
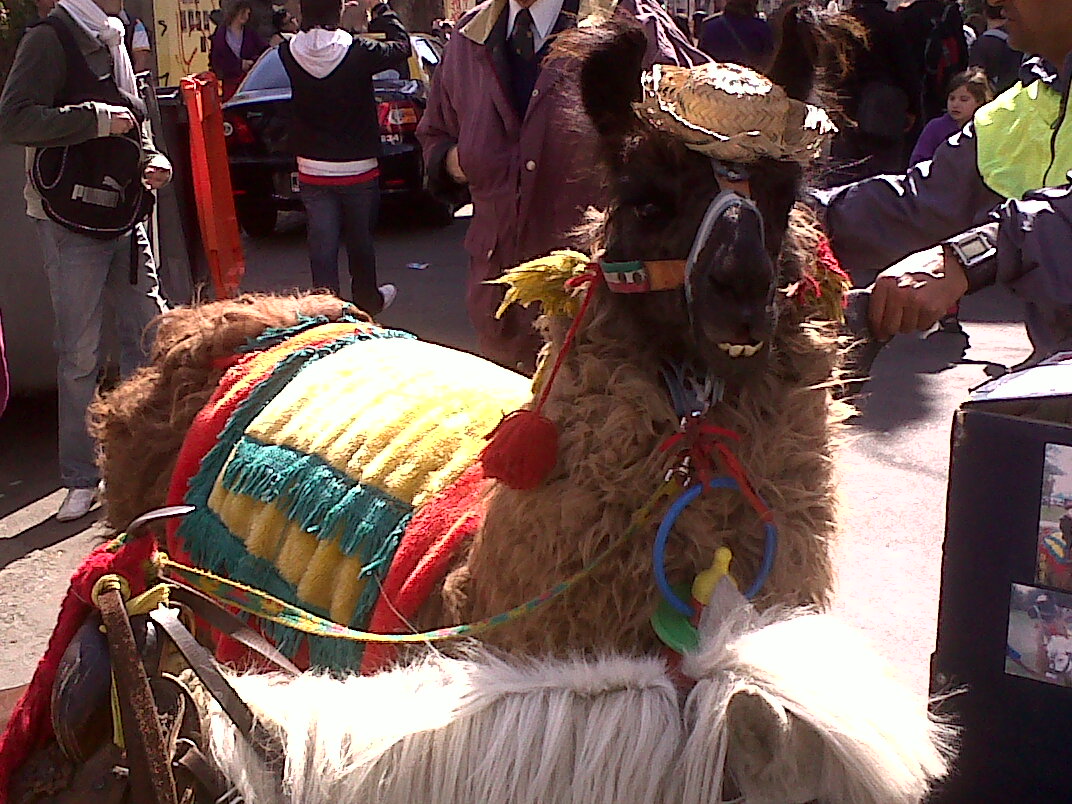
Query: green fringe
point(221, 549)
point(313, 494)
point(213, 547)
point(276, 335)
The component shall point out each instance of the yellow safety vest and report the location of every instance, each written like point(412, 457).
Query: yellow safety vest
point(1016, 150)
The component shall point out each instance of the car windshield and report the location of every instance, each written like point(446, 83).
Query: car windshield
point(267, 73)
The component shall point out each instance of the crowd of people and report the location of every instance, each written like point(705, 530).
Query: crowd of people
point(928, 181)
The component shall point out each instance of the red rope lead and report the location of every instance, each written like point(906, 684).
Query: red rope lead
point(522, 450)
point(698, 441)
point(591, 279)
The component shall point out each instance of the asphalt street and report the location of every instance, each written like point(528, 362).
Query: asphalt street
point(894, 459)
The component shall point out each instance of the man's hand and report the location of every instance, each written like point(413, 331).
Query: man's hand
point(913, 294)
point(454, 167)
point(247, 64)
point(120, 120)
point(156, 174)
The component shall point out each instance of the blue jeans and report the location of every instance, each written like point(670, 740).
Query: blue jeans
point(82, 273)
point(335, 211)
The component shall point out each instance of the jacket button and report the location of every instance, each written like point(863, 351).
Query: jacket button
point(535, 92)
point(491, 253)
point(530, 165)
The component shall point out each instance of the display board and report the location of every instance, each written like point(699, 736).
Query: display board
point(1004, 644)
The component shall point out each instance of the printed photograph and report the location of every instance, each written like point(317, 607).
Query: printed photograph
point(1054, 565)
point(1039, 642)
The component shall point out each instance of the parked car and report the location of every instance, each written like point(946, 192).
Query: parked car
point(264, 174)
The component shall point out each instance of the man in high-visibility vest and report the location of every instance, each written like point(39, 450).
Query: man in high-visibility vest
point(994, 205)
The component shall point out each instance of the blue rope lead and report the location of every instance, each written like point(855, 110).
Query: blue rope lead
point(662, 536)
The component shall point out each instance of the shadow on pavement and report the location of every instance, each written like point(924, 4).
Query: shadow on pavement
point(29, 471)
point(44, 535)
point(30, 491)
point(896, 396)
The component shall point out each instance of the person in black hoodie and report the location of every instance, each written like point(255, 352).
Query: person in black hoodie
point(879, 98)
point(335, 134)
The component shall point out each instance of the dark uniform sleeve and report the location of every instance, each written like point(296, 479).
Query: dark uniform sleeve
point(876, 222)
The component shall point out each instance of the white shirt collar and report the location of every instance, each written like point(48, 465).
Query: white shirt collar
point(544, 16)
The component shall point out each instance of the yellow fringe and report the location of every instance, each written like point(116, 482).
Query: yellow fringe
point(543, 281)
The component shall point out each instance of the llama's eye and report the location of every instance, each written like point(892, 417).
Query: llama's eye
point(648, 211)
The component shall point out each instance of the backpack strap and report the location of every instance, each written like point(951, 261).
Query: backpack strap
point(77, 69)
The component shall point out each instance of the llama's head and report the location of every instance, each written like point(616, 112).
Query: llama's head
point(706, 216)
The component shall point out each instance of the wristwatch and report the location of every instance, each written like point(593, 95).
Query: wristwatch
point(975, 251)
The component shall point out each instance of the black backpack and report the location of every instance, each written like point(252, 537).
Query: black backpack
point(945, 52)
point(94, 188)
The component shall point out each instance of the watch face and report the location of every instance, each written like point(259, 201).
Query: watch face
point(974, 248)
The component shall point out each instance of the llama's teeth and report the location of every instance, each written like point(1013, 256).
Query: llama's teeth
point(725, 347)
point(737, 349)
point(752, 349)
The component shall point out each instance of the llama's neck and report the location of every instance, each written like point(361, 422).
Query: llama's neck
point(612, 413)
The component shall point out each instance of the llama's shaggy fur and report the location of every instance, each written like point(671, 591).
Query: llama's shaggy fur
point(141, 424)
point(787, 709)
point(613, 412)
point(462, 731)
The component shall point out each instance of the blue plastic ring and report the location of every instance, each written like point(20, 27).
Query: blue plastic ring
point(662, 536)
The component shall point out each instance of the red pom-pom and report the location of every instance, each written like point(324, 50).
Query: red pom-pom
point(522, 450)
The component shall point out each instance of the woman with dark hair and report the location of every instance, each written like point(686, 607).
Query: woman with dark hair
point(284, 26)
point(335, 135)
point(235, 46)
point(738, 36)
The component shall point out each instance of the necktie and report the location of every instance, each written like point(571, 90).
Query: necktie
point(522, 38)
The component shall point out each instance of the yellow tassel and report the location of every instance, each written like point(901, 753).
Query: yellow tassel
point(544, 281)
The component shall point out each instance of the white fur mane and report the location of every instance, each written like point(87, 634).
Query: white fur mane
point(786, 708)
point(464, 731)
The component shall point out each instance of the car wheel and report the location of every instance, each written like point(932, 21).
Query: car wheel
point(256, 216)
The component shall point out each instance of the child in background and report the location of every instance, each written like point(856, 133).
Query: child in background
point(967, 92)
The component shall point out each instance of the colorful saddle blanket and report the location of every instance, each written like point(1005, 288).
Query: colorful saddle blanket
point(335, 468)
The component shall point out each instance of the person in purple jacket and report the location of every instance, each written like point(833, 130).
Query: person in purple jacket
point(739, 36)
point(235, 46)
point(967, 92)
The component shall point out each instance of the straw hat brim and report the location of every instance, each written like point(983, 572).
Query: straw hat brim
point(730, 112)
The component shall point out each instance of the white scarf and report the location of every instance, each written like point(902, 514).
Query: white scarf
point(109, 32)
point(318, 51)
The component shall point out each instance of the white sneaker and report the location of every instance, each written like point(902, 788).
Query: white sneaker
point(389, 293)
point(76, 504)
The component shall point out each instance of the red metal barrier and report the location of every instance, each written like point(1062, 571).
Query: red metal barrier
point(212, 184)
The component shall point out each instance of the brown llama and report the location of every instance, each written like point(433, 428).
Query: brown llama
point(323, 452)
point(741, 317)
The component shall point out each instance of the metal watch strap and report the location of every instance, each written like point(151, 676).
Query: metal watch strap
point(980, 272)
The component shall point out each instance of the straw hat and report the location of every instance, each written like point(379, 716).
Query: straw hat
point(731, 112)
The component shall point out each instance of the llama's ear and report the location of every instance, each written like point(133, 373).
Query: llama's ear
point(811, 43)
point(611, 56)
